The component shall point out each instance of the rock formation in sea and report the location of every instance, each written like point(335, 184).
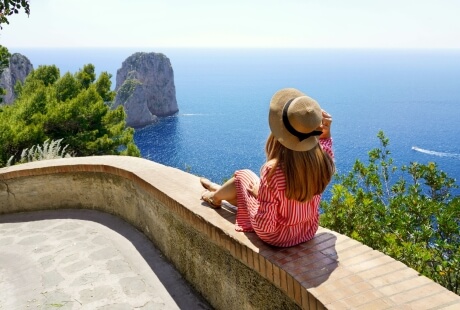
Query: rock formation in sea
point(145, 87)
point(20, 66)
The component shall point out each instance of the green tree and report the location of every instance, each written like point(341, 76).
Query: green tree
point(4, 63)
point(47, 75)
point(53, 107)
point(67, 87)
point(86, 76)
point(408, 213)
point(103, 87)
point(4, 58)
point(10, 7)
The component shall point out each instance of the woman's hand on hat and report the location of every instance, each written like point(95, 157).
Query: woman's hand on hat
point(326, 125)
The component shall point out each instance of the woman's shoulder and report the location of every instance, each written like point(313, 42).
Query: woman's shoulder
point(267, 167)
point(326, 145)
point(326, 142)
point(269, 164)
point(275, 176)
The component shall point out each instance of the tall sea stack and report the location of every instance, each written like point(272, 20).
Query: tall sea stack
point(145, 87)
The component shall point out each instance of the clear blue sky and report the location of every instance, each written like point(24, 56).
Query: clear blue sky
point(237, 23)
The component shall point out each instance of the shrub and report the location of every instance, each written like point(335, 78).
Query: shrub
point(407, 213)
point(49, 150)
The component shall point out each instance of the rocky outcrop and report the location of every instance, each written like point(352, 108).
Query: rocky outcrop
point(145, 87)
point(20, 66)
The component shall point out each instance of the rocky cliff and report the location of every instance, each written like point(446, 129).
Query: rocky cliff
point(145, 87)
point(20, 67)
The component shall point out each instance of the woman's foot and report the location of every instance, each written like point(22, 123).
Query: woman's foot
point(210, 186)
point(208, 197)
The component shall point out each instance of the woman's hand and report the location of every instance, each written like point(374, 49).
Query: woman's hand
point(254, 190)
point(326, 126)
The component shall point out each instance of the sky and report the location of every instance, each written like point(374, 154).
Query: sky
point(236, 24)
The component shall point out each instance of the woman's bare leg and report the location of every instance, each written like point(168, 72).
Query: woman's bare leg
point(226, 191)
point(209, 185)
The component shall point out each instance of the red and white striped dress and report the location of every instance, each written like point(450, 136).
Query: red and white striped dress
point(274, 218)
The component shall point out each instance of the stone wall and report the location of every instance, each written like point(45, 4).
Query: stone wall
point(231, 270)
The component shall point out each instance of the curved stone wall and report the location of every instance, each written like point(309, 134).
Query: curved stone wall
point(231, 270)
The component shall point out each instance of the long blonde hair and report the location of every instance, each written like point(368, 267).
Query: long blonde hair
point(307, 173)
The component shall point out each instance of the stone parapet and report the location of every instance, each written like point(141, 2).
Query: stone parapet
point(232, 270)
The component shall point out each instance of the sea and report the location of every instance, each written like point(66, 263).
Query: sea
point(413, 96)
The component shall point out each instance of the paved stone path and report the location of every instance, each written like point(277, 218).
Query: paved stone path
point(82, 259)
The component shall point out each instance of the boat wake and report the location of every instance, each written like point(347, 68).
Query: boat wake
point(434, 153)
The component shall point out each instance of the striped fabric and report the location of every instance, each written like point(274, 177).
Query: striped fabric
point(275, 219)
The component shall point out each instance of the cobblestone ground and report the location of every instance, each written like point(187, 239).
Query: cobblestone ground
point(81, 259)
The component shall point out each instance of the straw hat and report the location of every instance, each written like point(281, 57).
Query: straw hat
point(294, 119)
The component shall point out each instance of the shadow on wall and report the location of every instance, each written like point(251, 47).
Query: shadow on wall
point(310, 263)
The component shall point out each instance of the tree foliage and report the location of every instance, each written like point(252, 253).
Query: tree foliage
point(4, 58)
point(407, 213)
point(4, 63)
point(72, 108)
point(10, 7)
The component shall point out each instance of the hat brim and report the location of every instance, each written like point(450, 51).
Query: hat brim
point(275, 121)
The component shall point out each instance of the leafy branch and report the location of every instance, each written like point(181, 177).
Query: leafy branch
point(408, 213)
point(10, 7)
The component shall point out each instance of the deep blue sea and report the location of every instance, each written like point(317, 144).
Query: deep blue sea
point(223, 97)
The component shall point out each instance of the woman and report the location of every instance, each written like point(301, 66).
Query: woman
point(282, 207)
